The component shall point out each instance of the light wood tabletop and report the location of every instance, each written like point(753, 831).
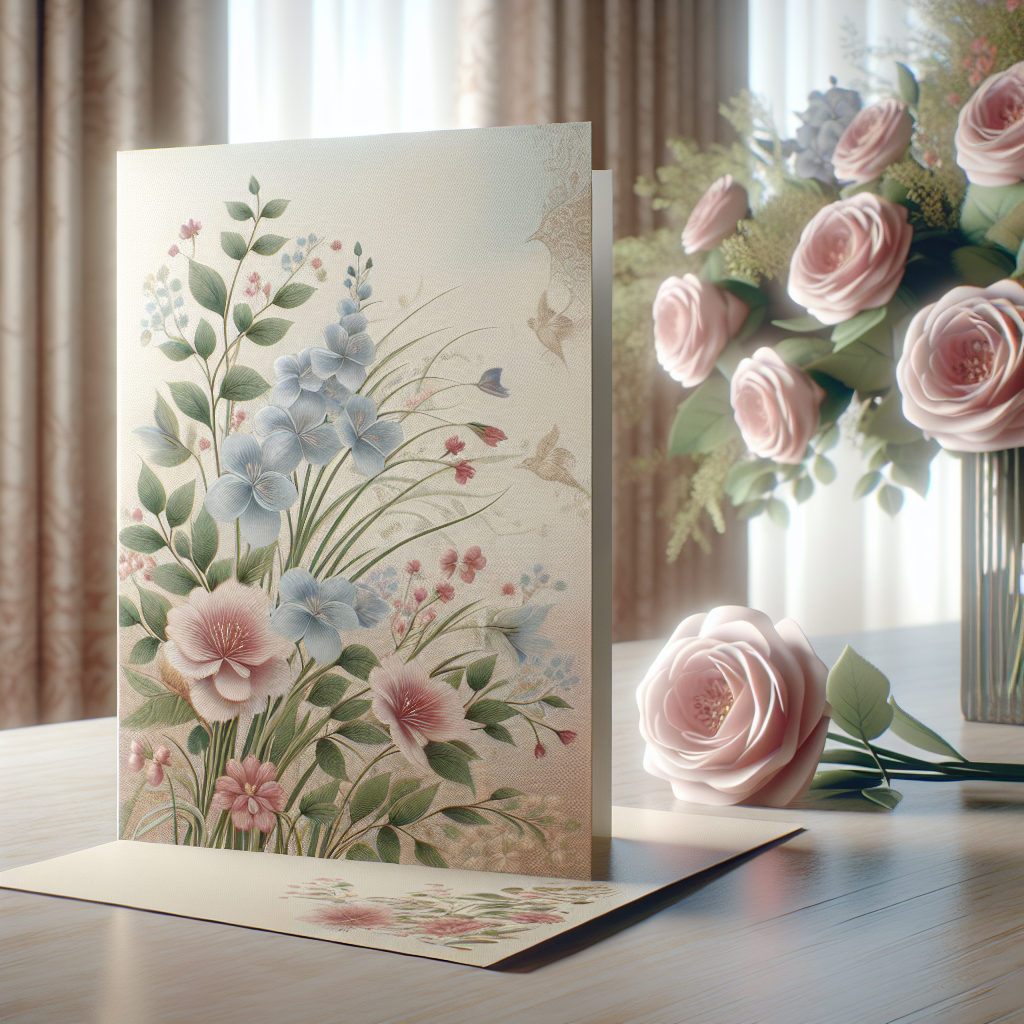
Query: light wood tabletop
point(870, 916)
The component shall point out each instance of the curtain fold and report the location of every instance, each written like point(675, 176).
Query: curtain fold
point(78, 81)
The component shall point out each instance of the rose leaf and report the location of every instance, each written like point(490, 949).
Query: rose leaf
point(859, 695)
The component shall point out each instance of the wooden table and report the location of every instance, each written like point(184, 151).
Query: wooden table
point(917, 915)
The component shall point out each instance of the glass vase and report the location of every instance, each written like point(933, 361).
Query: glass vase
point(992, 602)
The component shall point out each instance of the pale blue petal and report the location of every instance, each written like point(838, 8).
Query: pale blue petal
point(361, 349)
point(370, 607)
point(345, 432)
point(361, 412)
point(320, 444)
point(270, 418)
point(368, 460)
point(291, 621)
point(326, 363)
point(308, 411)
point(337, 588)
point(259, 526)
point(336, 337)
point(287, 366)
point(298, 586)
point(335, 395)
point(339, 615)
point(282, 450)
point(240, 453)
point(351, 374)
point(354, 322)
point(322, 642)
point(346, 306)
point(384, 435)
point(286, 390)
point(228, 497)
point(275, 492)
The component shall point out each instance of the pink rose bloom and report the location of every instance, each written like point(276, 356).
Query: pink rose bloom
point(715, 217)
point(850, 257)
point(961, 373)
point(776, 406)
point(250, 793)
point(222, 643)
point(990, 133)
point(878, 136)
point(733, 710)
point(415, 708)
point(693, 322)
point(472, 562)
point(351, 915)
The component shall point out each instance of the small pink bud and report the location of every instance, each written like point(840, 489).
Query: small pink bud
point(173, 251)
point(162, 755)
point(508, 589)
point(154, 773)
point(412, 567)
point(539, 751)
point(420, 593)
point(567, 736)
point(204, 444)
point(317, 262)
point(336, 245)
point(137, 515)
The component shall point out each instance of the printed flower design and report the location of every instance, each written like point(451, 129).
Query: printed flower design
point(370, 607)
point(464, 472)
point(346, 356)
point(371, 440)
point(415, 708)
point(298, 432)
point(252, 488)
point(294, 375)
point(449, 560)
point(489, 435)
point(445, 592)
point(472, 562)
point(351, 915)
point(521, 629)
point(250, 793)
point(335, 395)
point(152, 760)
point(315, 613)
point(490, 383)
point(223, 645)
point(190, 230)
point(450, 927)
point(454, 445)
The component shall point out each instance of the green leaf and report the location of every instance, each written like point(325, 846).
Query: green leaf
point(890, 499)
point(464, 815)
point(801, 324)
point(318, 804)
point(829, 439)
point(705, 420)
point(751, 509)
point(454, 679)
point(164, 709)
point(242, 315)
point(219, 572)
point(127, 613)
point(916, 477)
point(778, 513)
point(986, 205)
point(363, 732)
point(451, 763)
point(206, 340)
point(358, 661)
point(151, 491)
point(850, 330)
point(909, 90)
point(182, 545)
point(886, 420)
point(275, 208)
point(467, 750)
point(479, 673)
point(179, 504)
point(859, 695)
point(859, 758)
point(143, 539)
point(350, 709)
point(884, 796)
point(412, 807)
point(233, 244)
point(175, 579)
point(866, 484)
point(801, 351)
point(327, 691)
point(555, 702)
point(504, 794)
point(1008, 231)
point(429, 855)
point(165, 418)
point(207, 287)
point(240, 211)
point(144, 651)
point(330, 759)
point(981, 266)
point(198, 741)
point(842, 779)
point(824, 470)
point(803, 489)
point(500, 733)
point(751, 295)
point(240, 384)
point(142, 684)
point(176, 351)
point(267, 245)
point(916, 733)
point(189, 398)
point(369, 795)
point(489, 711)
point(154, 610)
point(749, 477)
point(858, 366)
point(360, 851)
point(204, 539)
point(293, 294)
point(254, 565)
point(389, 846)
point(254, 185)
point(269, 331)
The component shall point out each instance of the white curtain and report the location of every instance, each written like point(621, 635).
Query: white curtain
point(845, 565)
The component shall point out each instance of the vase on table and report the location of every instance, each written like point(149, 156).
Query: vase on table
point(992, 599)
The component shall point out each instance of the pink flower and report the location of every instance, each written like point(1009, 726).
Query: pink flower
point(351, 915)
point(464, 472)
point(254, 277)
point(317, 262)
point(961, 373)
point(534, 917)
point(567, 736)
point(489, 435)
point(154, 773)
point(191, 229)
point(878, 136)
point(152, 760)
point(237, 419)
point(451, 927)
point(850, 257)
point(266, 289)
point(336, 245)
point(715, 216)
point(472, 562)
point(173, 251)
point(429, 615)
point(413, 566)
point(733, 709)
point(776, 405)
point(222, 643)
point(204, 444)
point(420, 594)
point(448, 562)
point(415, 708)
point(990, 132)
point(445, 591)
point(454, 445)
point(539, 751)
point(137, 515)
point(1012, 5)
point(508, 589)
point(953, 99)
point(137, 758)
point(250, 793)
point(693, 321)
point(400, 627)
point(162, 755)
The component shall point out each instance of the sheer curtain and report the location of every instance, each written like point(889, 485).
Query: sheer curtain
point(846, 565)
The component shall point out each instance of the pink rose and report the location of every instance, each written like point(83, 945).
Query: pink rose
point(878, 136)
point(693, 321)
point(850, 257)
point(990, 133)
point(714, 218)
point(733, 710)
point(961, 373)
point(776, 405)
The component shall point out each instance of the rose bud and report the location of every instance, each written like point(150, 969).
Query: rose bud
point(715, 216)
point(566, 736)
point(878, 136)
point(990, 132)
point(539, 751)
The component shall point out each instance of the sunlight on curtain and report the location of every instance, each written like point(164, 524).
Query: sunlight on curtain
point(845, 565)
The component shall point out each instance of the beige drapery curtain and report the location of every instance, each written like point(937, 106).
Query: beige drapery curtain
point(643, 71)
point(79, 80)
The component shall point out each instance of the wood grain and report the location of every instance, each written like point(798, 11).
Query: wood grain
point(913, 916)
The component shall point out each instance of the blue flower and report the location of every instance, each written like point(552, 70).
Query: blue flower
point(490, 383)
point(351, 319)
point(370, 607)
point(371, 441)
point(521, 629)
point(298, 256)
point(178, 302)
point(312, 239)
point(335, 395)
point(365, 290)
point(300, 241)
point(252, 488)
point(150, 307)
point(347, 306)
point(346, 357)
point(315, 613)
point(286, 261)
point(294, 375)
point(298, 432)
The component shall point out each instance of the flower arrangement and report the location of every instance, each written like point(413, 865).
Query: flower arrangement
point(859, 280)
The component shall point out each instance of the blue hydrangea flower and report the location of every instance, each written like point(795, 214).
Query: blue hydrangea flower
point(490, 383)
point(315, 613)
point(370, 439)
point(346, 357)
point(521, 629)
point(294, 375)
point(298, 432)
point(370, 607)
point(252, 488)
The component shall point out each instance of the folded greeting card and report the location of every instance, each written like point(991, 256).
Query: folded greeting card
point(364, 570)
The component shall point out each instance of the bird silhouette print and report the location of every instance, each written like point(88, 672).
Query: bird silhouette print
point(553, 463)
point(550, 327)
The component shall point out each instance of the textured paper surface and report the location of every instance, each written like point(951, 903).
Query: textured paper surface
point(356, 498)
point(469, 917)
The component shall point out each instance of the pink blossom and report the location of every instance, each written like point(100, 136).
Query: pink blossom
point(317, 262)
point(472, 562)
point(137, 758)
point(567, 736)
point(448, 562)
point(508, 589)
point(492, 435)
point(415, 708)
point(204, 444)
point(445, 591)
point(154, 773)
point(413, 566)
point(351, 915)
point(420, 594)
point(429, 615)
point(173, 251)
point(454, 445)
point(254, 277)
point(539, 751)
point(250, 793)
point(152, 760)
point(191, 229)
point(237, 419)
point(137, 515)
point(131, 562)
point(464, 472)
point(400, 627)
point(451, 927)
point(990, 130)
point(715, 216)
point(534, 917)
point(162, 755)
point(266, 289)
point(878, 136)
point(336, 245)
point(222, 643)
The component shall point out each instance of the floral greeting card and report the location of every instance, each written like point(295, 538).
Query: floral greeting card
point(356, 479)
